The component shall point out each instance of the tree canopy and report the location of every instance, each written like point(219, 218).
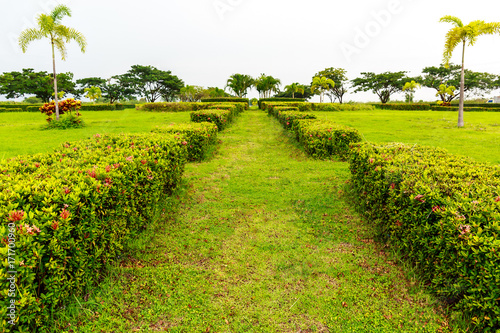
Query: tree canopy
point(337, 75)
point(240, 83)
point(383, 84)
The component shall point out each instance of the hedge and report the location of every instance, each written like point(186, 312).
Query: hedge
point(101, 107)
point(279, 99)
point(288, 118)
point(72, 211)
point(169, 107)
point(303, 106)
point(12, 110)
point(324, 139)
point(227, 100)
point(235, 108)
point(442, 212)
point(404, 106)
point(341, 107)
point(199, 137)
point(221, 118)
point(18, 106)
point(468, 109)
point(275, 110)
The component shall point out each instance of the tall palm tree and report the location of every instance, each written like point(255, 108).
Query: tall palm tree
point(321, 84)
point(240, 83)
point(93, 93)
point(49, 26)
point(462, 34)
point(295, 88)
point(266, 84)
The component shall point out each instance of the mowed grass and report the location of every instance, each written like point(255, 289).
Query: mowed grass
point(479, 139)
point(21, 133)
point(261, 239)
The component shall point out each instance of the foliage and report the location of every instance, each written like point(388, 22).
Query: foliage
point(199, 137)
point(302, 106)
point(321, 84)
point(441, 212)
point(254, 101)
point(65, 106)
point(239, 84)
point(215, 92)
point(151, 83)
point(298, 95)
point(288, 118)
point(73, 211)
point(383, 85)
point(114, 92)
point(87, 83)
point(325, 139)
point(93, 93)
point(404, 106)
point(226, 100)
point(337, 75)
point(341, 107)
point(266, 85)
point(446, 93)
point(192, 93)
point(221, 118)
point(66, 122)
point(410, 88)
point(279, 99)
point(295, 88)
point(33, 100)
point(466, 108)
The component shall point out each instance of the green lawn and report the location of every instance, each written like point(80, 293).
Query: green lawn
point(480, 138)
point(261, 239)
point(21, 133)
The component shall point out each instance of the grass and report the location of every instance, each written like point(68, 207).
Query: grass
point(21, 133)
point(261, 239)
point(479, 139)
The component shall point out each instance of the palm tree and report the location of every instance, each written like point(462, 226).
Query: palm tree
point(294, 88)
point(321, 84)
point(462, 34)
point(266, 84)
point(93, 93)
point(240, 83)
point(411, 87)
point(49, 26)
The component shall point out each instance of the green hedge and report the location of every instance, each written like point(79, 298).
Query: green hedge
point(274, 111)
point(288, 118)
point(33, 109)
point(279, 99)
point(227, 100)
point(235, 108)
point(404, 106)
point(468, 109)
point(442, 212)
point(168, 107)
point(325, 139)
point(101, 107)
point(341, 107)
point(12, 110)
point(18, 106)
point(199, 137)
point(221, 118)
point(71, 213)
point(302, 106)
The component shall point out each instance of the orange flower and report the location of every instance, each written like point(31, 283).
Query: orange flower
point(65, 214)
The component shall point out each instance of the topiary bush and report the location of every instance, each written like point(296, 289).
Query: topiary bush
point(199, 137)
point(441, 211)
point(221, 118)
point(288, 118)
point(68, 214)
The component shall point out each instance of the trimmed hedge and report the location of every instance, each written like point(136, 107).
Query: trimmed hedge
point(324, 139)
point(169, 107)
point(442, 211)
point(279, 99)
point(33, 109)
point(221, 118)
point(235, 108)
point(101, 107)
point(72, 211)
point(341, 107)
point(404, 106)
point(468, 109)
point(227, 100)
point(18, 106)
point(12, 110)
point(302, 106)
point(199, 137)
point(288, 118)
point(274, 111)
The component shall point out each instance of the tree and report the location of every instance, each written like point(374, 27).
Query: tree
point(461, 34)
point(410, 88)
point(192, 93)
point(93, 93)
point(383, 85)
point(266, 85)
point(307, 94)
point(87, 83)
point(337, 75)
point(114, 92)
point(295, 88)
point(152, 83)
point(446, 93)
point(239, 84)
point(49, 26)
point(214, 92)
point(321, 84)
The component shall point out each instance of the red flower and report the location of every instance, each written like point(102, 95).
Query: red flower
point(144, 161)
point(55, 225)
point(108, 168)
point(393, 186)
point(65, 214)
point(67, 190)
point(372, 160)
point(37, 165)
point(16, 216)
point(497, 199)
point(419, 198)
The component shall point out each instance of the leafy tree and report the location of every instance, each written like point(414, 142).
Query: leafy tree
point(266, 85)
point(383, 85)
point(152, 83)
point(214, 92)
point(321, 84)
point(461, 34)
point(239, 84)
point(446, 93)
point(33, 100)
point(306, 95)
point(114, 92)
point(254, 101)
point(295, 88)
point(93, 93)
point(192, 93)
point(337, 75)
point(410, 88)
point(49, 26)
point(87, 83)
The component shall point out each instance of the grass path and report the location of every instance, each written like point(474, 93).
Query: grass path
point(262, 240)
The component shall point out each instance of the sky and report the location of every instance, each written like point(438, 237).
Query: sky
point(203, 42)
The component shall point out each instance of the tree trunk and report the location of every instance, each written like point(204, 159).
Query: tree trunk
point(462, 88)
point(56, 97)
point(293, 95)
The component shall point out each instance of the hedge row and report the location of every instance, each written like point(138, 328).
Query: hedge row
point(2, 110)
point(18, 106)
point(199, 137)
point(468, 109)
point(185, 106)
point(302, 106)
point(275, 110)
point(341, 107)
point(227, 100)
point(404, 106)
point(221, 118)
point(69, 213)
point(288, 118)
point(442, 212)
point(279, 99)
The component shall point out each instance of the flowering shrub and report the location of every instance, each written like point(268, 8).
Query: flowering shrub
point(65, 107)
point(198, 137)
point(442, 212)
point(73, 210)
point(302, 106)
point(405, 106)
point(221, 118)
point(288, 118)
point(278, 100)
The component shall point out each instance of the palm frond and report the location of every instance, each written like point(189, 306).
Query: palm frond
point(59, 44)
point(28, 36)
point(59, 12)
point(453, 38)
point(45, 23)
point(452, 19)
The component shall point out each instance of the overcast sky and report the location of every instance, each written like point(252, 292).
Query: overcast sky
point(203, 42)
